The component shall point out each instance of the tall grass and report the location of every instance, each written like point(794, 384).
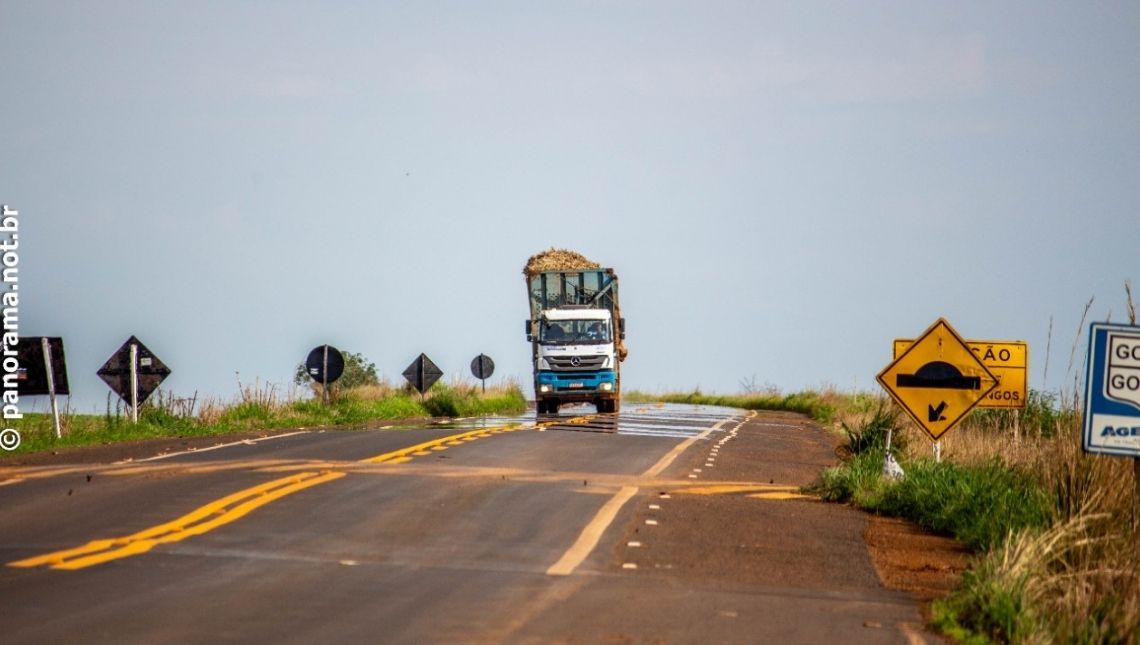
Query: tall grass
point(265, 407)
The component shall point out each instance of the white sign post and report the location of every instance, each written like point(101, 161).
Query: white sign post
point(49, 367)
point(134, 383)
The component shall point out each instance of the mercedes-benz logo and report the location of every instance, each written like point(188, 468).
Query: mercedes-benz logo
point(575, 361)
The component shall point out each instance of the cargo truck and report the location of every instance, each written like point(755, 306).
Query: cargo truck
point(576, 334)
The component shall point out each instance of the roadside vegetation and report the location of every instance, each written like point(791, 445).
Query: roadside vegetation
point(266, 407)
point(820, 406)
point(1054, 528)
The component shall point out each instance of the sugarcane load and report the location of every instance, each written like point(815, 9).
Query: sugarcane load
point(576, 331)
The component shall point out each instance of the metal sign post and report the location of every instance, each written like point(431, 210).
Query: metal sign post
point(325, 372)
point(45, 373)
point(134, 383)
point(49, 366)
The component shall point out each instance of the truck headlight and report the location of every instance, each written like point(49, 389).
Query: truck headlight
point(544, 388)
point(606, 387)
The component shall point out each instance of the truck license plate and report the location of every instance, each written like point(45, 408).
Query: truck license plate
point(577, 385)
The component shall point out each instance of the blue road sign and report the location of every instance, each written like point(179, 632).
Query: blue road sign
point(1112, 395)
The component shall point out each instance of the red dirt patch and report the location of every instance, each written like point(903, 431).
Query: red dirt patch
point(909, 558)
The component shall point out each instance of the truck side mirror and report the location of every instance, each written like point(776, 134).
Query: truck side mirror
point(621, 325)
point(526, 327)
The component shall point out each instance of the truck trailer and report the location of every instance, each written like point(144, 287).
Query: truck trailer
point(577, 337)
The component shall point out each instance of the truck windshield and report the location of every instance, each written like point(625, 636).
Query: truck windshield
point(575, 332)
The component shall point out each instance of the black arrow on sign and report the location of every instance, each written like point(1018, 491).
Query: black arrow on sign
point(935, 413)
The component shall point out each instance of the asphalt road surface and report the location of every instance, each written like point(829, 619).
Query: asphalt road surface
point(664, 524)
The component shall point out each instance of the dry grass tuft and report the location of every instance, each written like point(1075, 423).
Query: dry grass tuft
point(382, 390)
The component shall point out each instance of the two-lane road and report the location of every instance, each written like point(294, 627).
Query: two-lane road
point(662, 524)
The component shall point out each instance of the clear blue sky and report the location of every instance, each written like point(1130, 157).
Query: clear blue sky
point(783, 187)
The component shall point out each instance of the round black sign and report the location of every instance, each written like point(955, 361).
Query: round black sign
point(482, 366)
point(325, 364)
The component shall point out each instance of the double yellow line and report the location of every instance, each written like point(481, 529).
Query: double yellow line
point(197, 522)
point(405, 455)
point(235, 506)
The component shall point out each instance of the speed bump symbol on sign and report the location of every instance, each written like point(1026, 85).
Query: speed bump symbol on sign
point(938, 379)
point(1007, 360)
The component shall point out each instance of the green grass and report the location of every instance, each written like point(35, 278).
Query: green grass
point(469, 402)
point(266, 413)
point(810, 403)
point(987, 608)
point(979, 504)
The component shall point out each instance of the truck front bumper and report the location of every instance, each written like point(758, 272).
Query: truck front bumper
point(569, 386)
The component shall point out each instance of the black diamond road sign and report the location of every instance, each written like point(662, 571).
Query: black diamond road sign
point(116, 372)
point(317, 360)
point(482, 366)
point(422, 373)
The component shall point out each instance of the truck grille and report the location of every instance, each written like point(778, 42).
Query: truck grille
point(566, 363)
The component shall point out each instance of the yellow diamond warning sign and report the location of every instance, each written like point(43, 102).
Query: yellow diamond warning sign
point(1007, 360)
point(938, 379)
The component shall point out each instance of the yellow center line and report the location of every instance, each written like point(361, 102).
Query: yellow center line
point(196, 522)
point(591, 534)
point(227, 509)
point(237, 505)
point(426, 448)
